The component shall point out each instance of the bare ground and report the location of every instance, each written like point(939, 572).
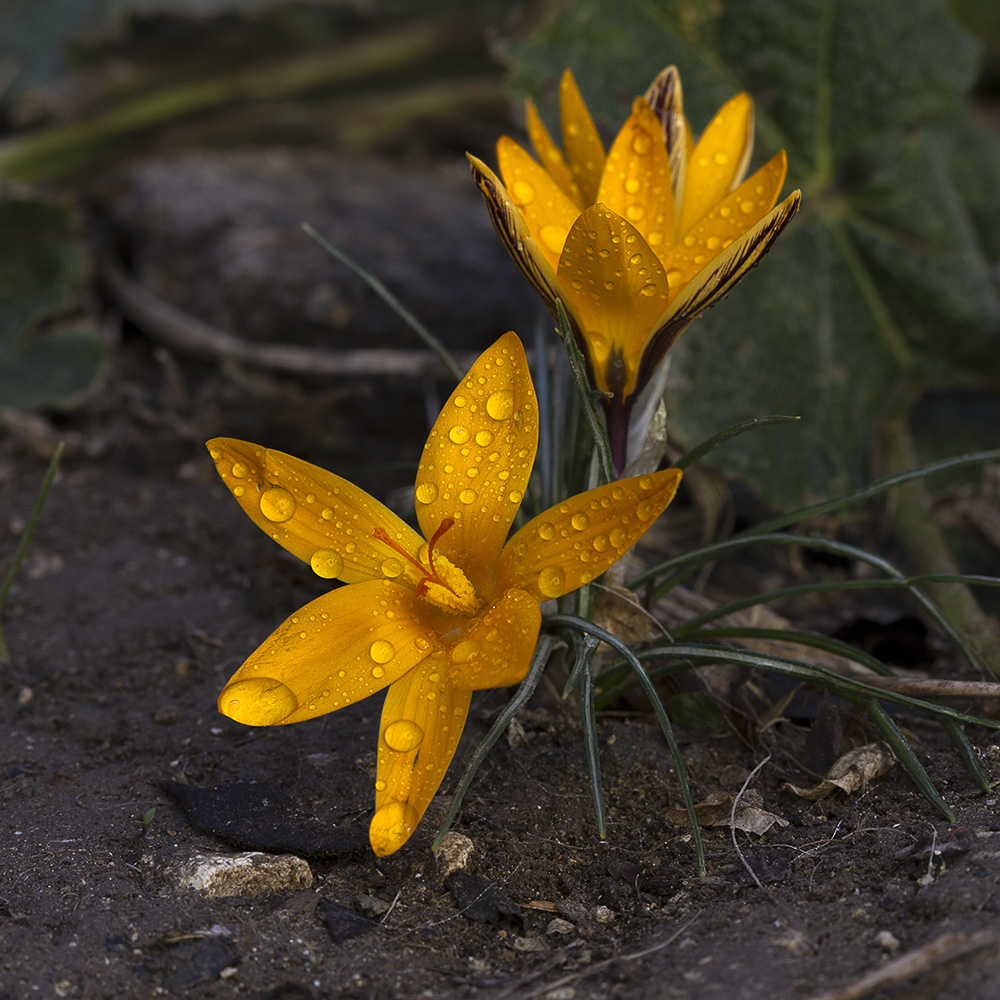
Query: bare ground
point(144, 589)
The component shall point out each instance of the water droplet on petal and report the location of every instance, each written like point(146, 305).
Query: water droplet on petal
point(403, 735)
point(500, 405)
point(465, 651)
point(240, 471)
point(326, 513)
point(552, 581)
point(546, 531)
point(277, 505)
point(522, 192)
point(422, 643)
point(380, 786)
point(618, 537)
point(391, 568)
point(580, 521)
point(689, 241)
point(721, 159)
point(646, 483)
point(459, 401)
point(600, 543)
point(641, 143)
point(258, 701)
point(382, 651)
point(515, 496)
point(617, 493)
point(649, 289)
point(327, 563)
point(746, 206)
point(483, 438)
point(632, 185)
point(467, 496)
point(459, 434)
point(646, 510)
point(426, 492)
point(713, 243)
point(238, 491)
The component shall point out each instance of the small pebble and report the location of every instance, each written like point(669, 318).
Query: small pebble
point(604, 914)
point(559, 926)
point(887, 941)
point(454, 853)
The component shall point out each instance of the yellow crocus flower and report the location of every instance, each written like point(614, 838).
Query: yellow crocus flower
point(431, 620)
point(639, 240)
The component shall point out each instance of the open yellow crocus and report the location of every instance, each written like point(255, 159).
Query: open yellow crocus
point(431, 620)
point(639, 240)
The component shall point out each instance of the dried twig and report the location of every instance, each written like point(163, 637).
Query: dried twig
point(189, 335)
point(943, 949)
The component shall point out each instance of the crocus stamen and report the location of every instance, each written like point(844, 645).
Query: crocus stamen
point(428, 577)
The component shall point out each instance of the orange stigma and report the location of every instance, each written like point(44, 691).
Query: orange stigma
point(428, 577)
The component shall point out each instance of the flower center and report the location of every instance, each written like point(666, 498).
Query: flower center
point(442, 583)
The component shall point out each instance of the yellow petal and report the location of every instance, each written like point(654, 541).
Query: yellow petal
point(338, 649)
point(726, 222)
point(719, 276)
point(718, 160)
point(496, 651)
point(637, 183)
point(574, 542)
point(422, 720)
point(543, 205)
point(477, 460)
point(319, 517)
point(617, 288)
point(582, 143)
point(666, 99)
point(515, 235)
point(551, 155)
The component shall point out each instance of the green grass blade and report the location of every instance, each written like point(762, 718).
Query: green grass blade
point(705, 447)
point(874, 489)
point(525, 690)
point(586, 395)
point(827, 643)
point(590, 744)
point(25, 542)
point(968, 755)
point(392, 302)
point(588, 628)
point(903, 750)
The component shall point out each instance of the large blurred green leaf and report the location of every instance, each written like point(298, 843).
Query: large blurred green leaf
point(47, 351)
point(885, 283)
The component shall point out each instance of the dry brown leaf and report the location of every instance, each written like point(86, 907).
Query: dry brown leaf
point(851, 773)
point(716, 809)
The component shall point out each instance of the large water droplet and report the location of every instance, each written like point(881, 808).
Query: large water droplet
point(632, 185)
point(546, 531)
point(277, 504)
point(618, 537)
point(641, 143)
point(646, 510)
point(483, 438)
point(391, 567)
point(238, 491)
point(403, 735)
point(258, 701)
point(467, 496)
point(459, 434)
point(327, 563)
point(500, 405)
point(580, 521)
point(600, 543)
point(552, 581)
point(465, 651)
point(459, 401)
point(382, 651)
point(240, 471)
point(426, 492)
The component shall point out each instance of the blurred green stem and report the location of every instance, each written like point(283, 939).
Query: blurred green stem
point(26, 536)
point(926, 546)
